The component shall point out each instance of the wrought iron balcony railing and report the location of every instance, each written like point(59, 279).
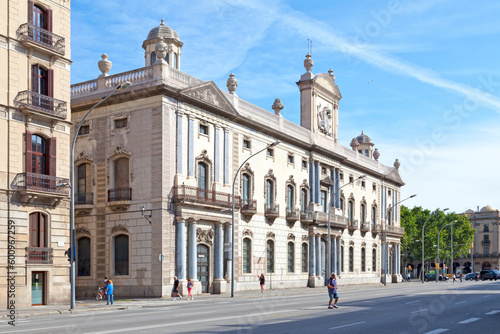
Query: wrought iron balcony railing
point(84, 198)
point(248, 206)
point(365, 226)
point(190, 194)
point(40, 182)
point(119, 194)
point(42, 103)
point(486, 242)
point(29, 33)
point(272, 210)
point(353, 225)
point(306, 217)
point(39, 255)
point(395, 230)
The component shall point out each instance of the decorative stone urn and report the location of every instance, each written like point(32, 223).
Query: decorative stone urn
point(232, 83)
point(376, 154)
point(104, 65)
point(330, 71)
point(354, 144)
point(161, 51)
point(308, 62)
point(277, 106)
point(397, 164)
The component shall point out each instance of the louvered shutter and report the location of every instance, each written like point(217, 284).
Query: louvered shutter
point(51, 151)
point(29, 164)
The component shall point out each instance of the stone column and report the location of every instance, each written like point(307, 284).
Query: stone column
point(217, 153)
point(312, 257)
point(192, 252)
point(337, 187)
point(219, 285)
point(334, 255)
point(179, 141)
point(227, 251)
point(312, 183)
point(317, 181)
point(180, 249)
point(190, 145)
point(226, 156)
point(318, 255)
point(394, 257)
point(339, 257)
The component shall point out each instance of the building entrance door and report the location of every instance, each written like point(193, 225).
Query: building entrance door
point(37, 287)
point(203, 266)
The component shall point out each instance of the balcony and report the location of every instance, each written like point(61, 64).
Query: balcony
point(249, 208)
point(353, 225)
point(338, 221)
point(41, 39)
point(84, 199)
point(202, 197)
point(38, 255)
point(32, 186)
point(272, 211)
point(365, 227)
point(306, 217)
point(119, 194)
point(395, 230)
point(376, 228)
point(292, 215)
point(45, 105)
point(485, 242)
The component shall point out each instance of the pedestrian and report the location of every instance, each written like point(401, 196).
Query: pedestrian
point(105, 283)
point(454, 278)
point(262, 281)
point(190, 287)
point(109, 291)
point(175, 290)
point(332, 291)
point(460, 276)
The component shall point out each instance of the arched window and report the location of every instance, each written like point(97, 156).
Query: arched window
point(351, 212)
point(362, 213)
point(374, 259)
point(202, 179)
point(269, 193)
point(153, 58)
point(175, 61)
point(291, 257)
point(290, 194)
point(270, 256)
point(167, 58)
point(120, 190)
point(83, 194)
point(366, 153)
point(303, 200)
point(247, 256)
point(363, 260)
point(351, 258)
point(245, 191)
point(305, 257)
point(38, 155)
point(83, 257)
point(121, 255)
point(374, 215)
point(38, 230)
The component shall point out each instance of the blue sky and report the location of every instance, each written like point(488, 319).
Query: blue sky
point(433, 100)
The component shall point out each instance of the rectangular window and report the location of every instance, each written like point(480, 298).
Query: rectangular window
point(247, 144)
point(270, 152)
point(486, 228)
point(486, 251)
point(374, 187)
point(84, 130)
point(120, 123)
point(304, 164)
point(290, 159)
point(351, 179)
point(203, 129)
point(341, 176)
point(389, 193)
point(363, 184)
point(323, 170)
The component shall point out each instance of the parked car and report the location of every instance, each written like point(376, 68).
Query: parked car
point(432, 277)
point(489, 274)
point(472, 277)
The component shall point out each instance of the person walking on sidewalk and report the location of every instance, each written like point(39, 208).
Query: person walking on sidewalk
point(175, 290)
point(190, 287)
point(332, 291)
point(262, 281)
point(109, 291)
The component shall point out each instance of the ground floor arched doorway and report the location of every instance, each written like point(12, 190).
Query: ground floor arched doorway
point(203, 266)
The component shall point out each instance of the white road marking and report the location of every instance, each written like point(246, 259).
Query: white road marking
point(493, 312)
point(437, 331)
point(469, 320)
point(356, 323)
point(463, 301)
point(279, 322)
point(409, 303)
point(422, 310)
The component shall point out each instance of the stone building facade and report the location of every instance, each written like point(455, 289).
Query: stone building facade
point(156, 166)
point(35, 127)
point(486, 252)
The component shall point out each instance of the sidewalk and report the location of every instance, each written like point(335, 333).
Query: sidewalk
point(92, 305)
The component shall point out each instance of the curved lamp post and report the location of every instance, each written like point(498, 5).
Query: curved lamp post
point(232, 213)
point(118, 88)
point(386, 264)
point(329, 210)
point(439, 234)
point(423, 227)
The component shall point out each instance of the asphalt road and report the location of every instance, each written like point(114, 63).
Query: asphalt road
point(467, 307)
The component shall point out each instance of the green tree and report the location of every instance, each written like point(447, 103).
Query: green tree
point(413, 219)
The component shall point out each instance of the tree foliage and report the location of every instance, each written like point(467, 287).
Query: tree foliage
point(413, 220)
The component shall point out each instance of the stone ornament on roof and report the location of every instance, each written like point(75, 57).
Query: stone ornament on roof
point(104, 65)
point(397, 164)
point(354, 144)
point(277, 106)
point(232, 83)
point(308, 62)
point(161, 51)
point(376, 154)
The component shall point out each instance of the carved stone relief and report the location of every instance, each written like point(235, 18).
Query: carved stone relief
point(204, 236)
point(270, 235)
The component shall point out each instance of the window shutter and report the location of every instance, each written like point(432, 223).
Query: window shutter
point(34, 78)
point(51, 150)
point(42, 227)
point(33, 230)
point(49, 20)
point(50, 82)
point(30, 11)
point(29, 165)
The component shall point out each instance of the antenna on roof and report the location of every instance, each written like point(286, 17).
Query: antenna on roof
point(311, 48)
point(308, 46)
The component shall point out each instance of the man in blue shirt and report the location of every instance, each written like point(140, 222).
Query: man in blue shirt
point(332, 291)
point(109, 291)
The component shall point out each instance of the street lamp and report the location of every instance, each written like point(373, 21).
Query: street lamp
point(118, 88)
point(232, 213)
point(423, 227)
point(328, 270)
point(439, 234)
point(386, 264)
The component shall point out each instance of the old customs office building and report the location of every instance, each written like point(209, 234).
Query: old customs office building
point(154, 170)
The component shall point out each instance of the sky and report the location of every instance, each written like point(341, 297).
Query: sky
point(420, 78)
